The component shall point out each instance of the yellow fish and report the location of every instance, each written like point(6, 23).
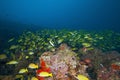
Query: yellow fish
point(13, 47)
point(34, 78)
point(24, 70)
point(3, 56)
point(86, 44)
point(33, 66)
point(45, 74)
point(31, 53)
point(12, 62)
point(82, 77)
point(19, 77)
point(26, 57)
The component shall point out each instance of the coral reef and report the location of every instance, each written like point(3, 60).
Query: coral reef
point(91, 54)
point(64, 63)
point(101, 64)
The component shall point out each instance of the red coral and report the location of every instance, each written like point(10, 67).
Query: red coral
point(43, 68)
point(42, 63)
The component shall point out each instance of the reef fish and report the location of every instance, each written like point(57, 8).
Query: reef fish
point(31, 53)
point(12, 62)
point(3, 56)
point(34, 78)
point(33, 66)
point(24, 70)
point(82, 77)
point(45, 74)
point(10, 40)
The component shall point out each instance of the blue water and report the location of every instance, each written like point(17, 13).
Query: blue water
point(77, 14)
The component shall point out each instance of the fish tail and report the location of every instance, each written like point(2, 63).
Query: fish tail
point(50, 75)
point(37, 67)
point(26, 70)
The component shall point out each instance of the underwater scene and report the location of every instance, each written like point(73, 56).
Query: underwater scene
point(59, 40)
point(62, 55)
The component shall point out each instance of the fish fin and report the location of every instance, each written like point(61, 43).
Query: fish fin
point(37, 67)
point(50, 75)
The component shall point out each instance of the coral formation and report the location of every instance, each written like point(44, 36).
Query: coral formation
point(64, 63)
